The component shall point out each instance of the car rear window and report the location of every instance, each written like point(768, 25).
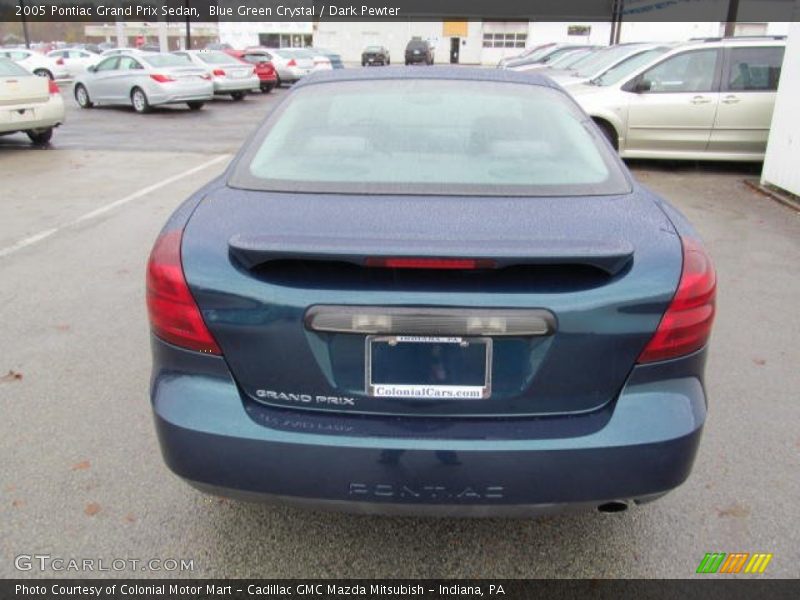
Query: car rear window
point(166, 60)
point(415, 136)
point(11, 69)
point(215, 58)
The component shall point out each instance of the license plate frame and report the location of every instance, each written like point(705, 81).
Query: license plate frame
point(428, 391)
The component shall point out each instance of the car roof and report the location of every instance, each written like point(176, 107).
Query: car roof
point(440, 73)
point(739, 41)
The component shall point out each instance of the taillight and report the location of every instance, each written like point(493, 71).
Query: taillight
point(430, 263)
point(53, 87)
point(174, 315)
point(219, 72)
point(60, 61)
point(162, 78)
point(292, 63)
point(686, 326)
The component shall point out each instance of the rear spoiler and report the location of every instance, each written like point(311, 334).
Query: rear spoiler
point(611, 256)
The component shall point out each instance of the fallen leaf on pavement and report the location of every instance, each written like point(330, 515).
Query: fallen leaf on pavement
point(10, 376)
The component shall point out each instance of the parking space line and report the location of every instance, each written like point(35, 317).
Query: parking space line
point(38, 237)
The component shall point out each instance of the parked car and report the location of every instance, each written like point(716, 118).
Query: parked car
point(332, 328)
point(567, 60)
point(219, 46)
point(28, 103)
point(265, 71)
point(125, 50)
point(143, 81)
point(538, 48)
point(705, 100)
point(560, 60)
point(545, 56)
point(333, 57)
point(229, 75)
point(74, 60)
point(321, 62)
point(36, 63)
point(93, 48)
point(375, 55)
point(599, 62)
point(419, 51)
point(292, 64)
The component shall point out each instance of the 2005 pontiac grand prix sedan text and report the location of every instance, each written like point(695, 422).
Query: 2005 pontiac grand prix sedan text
point(433, 292)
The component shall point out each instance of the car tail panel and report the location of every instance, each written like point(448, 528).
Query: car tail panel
point(605, 300)
point(22, 89)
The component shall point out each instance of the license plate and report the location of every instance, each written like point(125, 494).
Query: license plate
point(426, 367)
point(22, 115)
point(370, 59)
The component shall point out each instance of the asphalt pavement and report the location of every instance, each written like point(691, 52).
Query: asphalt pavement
point(82, 477)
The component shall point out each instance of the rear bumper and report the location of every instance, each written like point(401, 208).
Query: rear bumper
point(292, 74)
point(228, 86)
point(179, 92)
point(45, 115)
point(641, 447)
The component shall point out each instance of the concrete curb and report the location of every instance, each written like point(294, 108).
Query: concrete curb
point(778, 195)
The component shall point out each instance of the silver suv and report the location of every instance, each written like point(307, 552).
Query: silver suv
point(709, 100)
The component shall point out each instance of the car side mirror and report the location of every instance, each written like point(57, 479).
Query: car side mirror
point(91, 68)
point(637, 85)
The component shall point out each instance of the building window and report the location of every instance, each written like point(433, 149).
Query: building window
point(504, 40)
point(269, 40)
point(284, 40)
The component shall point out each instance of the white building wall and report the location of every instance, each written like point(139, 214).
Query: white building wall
point(778, 28)
point(542, 32)
point(783, 150)
point(667, 31)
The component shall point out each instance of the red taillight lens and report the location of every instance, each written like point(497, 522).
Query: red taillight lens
point(219, 72)
point(292, 63)
point(430, 263)
point(60, 61)
point(53, 87)
point(686, 326)
point(162, 78)
point(174, 315)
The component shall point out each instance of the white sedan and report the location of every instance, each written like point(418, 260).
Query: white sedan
point(74, 59)
point(28, 103)
point(36, 63)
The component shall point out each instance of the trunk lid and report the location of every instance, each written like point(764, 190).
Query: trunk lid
point(23, 89)
point(184, 73)
point(599, 270)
